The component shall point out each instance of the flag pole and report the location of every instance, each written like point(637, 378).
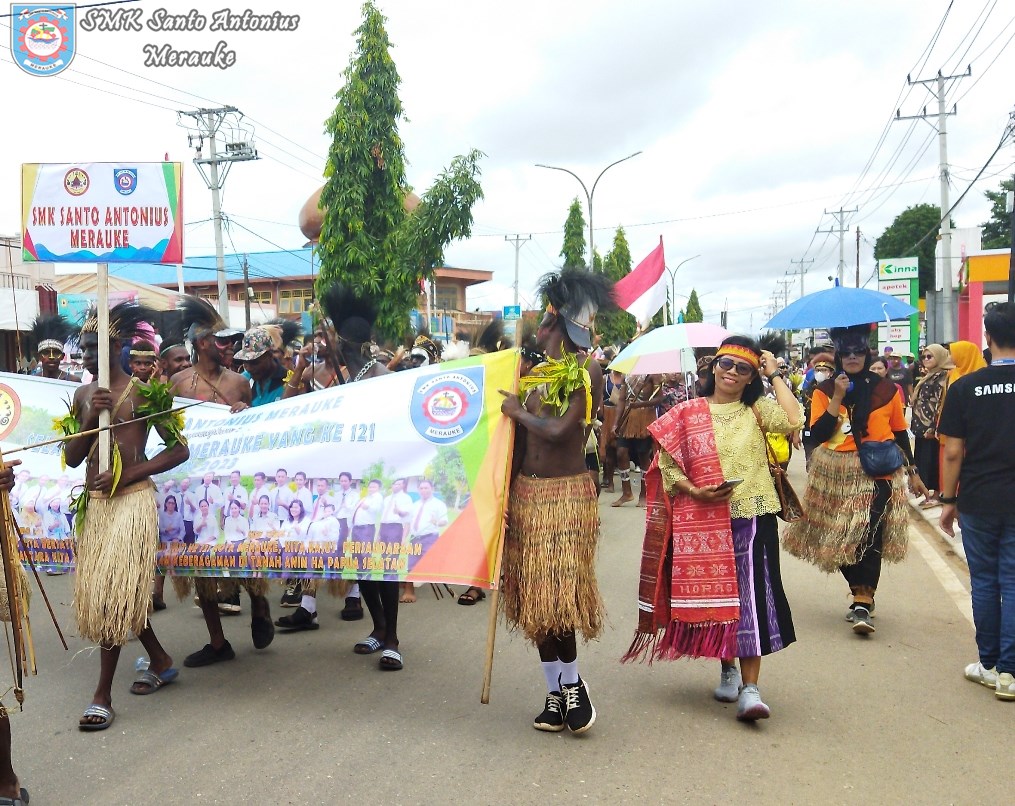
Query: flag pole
point(102, 308)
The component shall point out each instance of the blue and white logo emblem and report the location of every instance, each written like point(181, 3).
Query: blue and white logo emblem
point(446, 407)
point(125, 180)
point(43, 38)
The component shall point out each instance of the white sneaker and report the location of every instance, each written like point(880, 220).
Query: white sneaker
point(985, 677)
point(1005, 689)
point(749, 705)
point(729, 684)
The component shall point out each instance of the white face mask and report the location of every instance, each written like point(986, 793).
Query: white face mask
point(821, 377)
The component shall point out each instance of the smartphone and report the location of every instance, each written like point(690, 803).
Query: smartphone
point(729, 484)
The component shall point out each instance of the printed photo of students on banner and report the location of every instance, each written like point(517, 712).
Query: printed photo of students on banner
point(403, 478)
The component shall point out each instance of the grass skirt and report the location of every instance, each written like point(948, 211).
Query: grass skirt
point(837, 507)
point(549, 565)
point(115, 556)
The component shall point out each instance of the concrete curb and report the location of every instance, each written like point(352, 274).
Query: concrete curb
point(930, 517)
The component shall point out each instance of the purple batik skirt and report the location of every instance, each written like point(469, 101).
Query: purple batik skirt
point(766, 624)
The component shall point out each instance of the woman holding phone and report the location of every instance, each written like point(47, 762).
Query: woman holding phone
point(711, 498)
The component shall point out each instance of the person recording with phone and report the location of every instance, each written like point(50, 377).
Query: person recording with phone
point(712, 498)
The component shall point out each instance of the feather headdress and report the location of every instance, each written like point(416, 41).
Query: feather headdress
point(127, 320)
point(576, 295)
point(352, 316)
point(283, 331)
point(427, 348)
point(774, 342)
point(51, 332)
point(199, 318)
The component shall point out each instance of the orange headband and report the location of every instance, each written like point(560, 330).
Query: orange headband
point(740, 352)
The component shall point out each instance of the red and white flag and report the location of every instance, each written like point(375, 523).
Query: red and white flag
point(643, 292)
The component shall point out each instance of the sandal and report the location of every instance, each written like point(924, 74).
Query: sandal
point(391, 660)
point(471, 596)
point(148, 682)
point(367, 646)
point(353, 610)
point(18, 801)
point(107, 715)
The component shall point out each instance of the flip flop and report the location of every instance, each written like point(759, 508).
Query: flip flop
point(106, 714)
point(20, 799)
point(391, 660)
point(367, 646)
point(471, 596)
point(153, 680)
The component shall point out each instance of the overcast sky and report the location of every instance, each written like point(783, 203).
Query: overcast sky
point(752, 119)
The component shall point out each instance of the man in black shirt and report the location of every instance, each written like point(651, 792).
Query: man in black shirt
point(978, 476)
point(900, 375)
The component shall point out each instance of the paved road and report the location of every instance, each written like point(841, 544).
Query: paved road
point(888, 719)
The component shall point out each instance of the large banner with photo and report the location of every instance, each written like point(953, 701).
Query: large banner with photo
point(402, 477)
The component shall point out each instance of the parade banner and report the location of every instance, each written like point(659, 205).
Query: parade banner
point(102, 212)
point(401, 477)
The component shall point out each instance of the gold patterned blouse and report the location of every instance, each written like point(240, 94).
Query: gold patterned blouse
point(742, 454)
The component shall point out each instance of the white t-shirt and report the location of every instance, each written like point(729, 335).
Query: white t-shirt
point(345, 503)
point(236, 529)
point(368, 510)
point(397, 508)
point(237, 493)
point(428, 516)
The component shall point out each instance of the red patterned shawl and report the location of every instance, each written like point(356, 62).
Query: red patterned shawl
point(688, 603)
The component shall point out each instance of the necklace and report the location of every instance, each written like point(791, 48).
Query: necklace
point(369, 365)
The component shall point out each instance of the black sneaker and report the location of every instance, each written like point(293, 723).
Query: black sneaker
point(293, 595)
point(208, 655)
point(552, 718)
point(301, 619)
point(579, 713)
point(229, 605)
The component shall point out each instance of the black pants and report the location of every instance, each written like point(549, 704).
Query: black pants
point(927, 454)
point(866, 571)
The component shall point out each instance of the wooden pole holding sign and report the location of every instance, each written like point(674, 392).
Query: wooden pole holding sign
point(102, 306)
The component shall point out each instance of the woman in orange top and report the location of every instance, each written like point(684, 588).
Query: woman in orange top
point(854, 521)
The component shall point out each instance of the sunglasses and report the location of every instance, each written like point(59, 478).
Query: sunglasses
point(927, 356)
point(853, 352)
point(726, 364)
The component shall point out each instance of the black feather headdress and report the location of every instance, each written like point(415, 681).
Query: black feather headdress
point(125, 321)
point(51, 332)
point(172, 334)
point(491, 338)
point(352, 316)
point(199, 318)
point(774, 342)
point(576, 295)
point(288, 331)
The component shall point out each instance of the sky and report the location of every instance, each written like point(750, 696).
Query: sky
point(752, 120)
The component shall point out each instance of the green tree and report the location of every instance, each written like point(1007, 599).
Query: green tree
point(997, 231)
point(616, 326)
point(693, 312)
point(573, 250)
point(905, 231)
point(368, 239)
point(447, 472)
point(380, 471)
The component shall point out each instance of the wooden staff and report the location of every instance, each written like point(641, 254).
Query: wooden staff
point(491, 635)
point(102, 308)
point(13, 591)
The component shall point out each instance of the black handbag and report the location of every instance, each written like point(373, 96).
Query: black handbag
point(880, 458)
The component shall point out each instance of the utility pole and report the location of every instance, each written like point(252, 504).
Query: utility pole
point(857, 257)
point(517, 242)
point(801, 271)
point(238, 148)
point(948, 306)
point(246, 294)
point(840, 216)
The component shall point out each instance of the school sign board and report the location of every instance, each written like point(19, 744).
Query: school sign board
point(102, 212)
point(900, 278)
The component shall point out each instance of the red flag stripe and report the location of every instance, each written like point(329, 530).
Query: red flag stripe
point(642, 278)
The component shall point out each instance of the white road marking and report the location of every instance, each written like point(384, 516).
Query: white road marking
point(946, 576)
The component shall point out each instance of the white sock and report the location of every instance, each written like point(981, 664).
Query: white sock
point(552, 671)
point(569, 673)
point(353, 591)
point(309, 603)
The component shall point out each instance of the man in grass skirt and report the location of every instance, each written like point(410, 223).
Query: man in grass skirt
point(118, 526)
point(550, 591)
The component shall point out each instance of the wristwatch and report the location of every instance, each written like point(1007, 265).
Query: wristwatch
point(947, 499)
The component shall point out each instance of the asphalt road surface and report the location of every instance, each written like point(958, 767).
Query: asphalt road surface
point(884, 719)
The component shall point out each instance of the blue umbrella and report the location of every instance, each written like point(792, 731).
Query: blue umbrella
point(839, 307)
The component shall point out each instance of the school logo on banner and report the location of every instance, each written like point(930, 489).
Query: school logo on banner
point(125, 180)
point(43, 38)
point(10, 409)
point(446, 407)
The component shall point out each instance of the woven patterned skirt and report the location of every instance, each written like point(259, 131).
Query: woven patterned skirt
point(549, 566)
point(766, 624)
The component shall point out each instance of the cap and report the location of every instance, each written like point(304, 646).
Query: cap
point(256, 342)
point(579, 324)
point(888, 350)
point(227, 333)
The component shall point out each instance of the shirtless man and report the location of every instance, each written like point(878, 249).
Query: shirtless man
point(120, 527)
point(553, 515)
point(209, 380)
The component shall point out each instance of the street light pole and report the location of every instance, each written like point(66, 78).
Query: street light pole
point(589, 196)
point(673, 287)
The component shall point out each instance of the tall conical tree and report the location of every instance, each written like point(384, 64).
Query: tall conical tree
point(693, 313)
point(368, 240)
point(616, 326)
point(573, 250)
